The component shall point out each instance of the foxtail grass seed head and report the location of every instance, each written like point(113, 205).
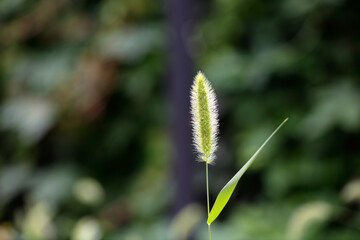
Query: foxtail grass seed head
point(204, 118)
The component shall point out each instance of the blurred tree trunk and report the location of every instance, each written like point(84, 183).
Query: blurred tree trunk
point(181, 75)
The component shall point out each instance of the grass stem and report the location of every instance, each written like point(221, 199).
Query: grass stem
point(207, 196)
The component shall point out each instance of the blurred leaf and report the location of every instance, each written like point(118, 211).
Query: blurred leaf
point(260, 220)
point(31, 117)
point(53, 185)
point(305, 172)
point(13, 179)
point(9, 6)
point(336, 105)
point(41, 72)
point(131, 44)
point(306, 216)
point(225, 68)
point(185, 221)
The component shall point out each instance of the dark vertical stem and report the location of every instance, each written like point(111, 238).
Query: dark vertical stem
point(181, 75)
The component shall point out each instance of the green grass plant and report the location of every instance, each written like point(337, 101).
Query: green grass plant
point(205, 127)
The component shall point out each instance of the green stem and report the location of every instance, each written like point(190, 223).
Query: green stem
point(209, 232)
point(207, 196)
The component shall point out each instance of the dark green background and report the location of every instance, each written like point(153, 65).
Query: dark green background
point(85, 127)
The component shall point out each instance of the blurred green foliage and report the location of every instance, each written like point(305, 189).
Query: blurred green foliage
point(85, 150)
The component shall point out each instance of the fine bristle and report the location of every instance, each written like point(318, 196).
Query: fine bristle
point(204, 118)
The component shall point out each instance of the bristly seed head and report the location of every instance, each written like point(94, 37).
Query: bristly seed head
point(204, 118)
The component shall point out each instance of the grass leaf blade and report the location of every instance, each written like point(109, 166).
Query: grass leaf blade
point(225, 194)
